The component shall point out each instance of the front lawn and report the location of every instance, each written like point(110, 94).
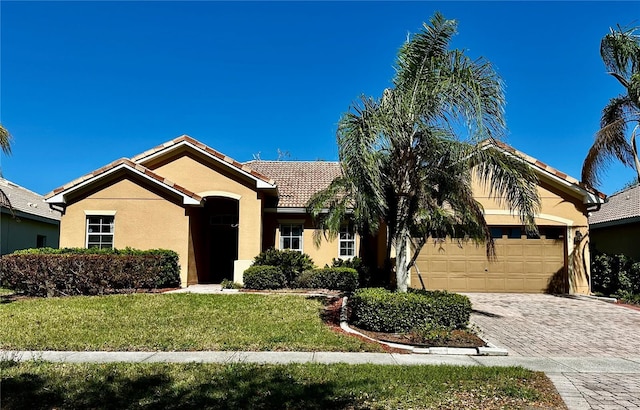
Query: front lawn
point(40, 385)
point(167, 322)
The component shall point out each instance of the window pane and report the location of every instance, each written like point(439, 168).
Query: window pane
point(496, 233)
point(286, 230)
point(286, 243)
point(107, 239)
point(515, 233)
point(296, 230)
point(295, 243)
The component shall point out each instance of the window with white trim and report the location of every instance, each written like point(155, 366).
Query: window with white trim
point(291, 236)
point(100, 230)
point(347, 242)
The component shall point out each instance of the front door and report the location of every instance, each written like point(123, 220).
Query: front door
point(222, 237)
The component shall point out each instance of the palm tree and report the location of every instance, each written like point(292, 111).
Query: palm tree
point(408, 158)
point(5, 146)
point(620, 52)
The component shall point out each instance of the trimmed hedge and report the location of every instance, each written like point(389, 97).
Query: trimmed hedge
point(263, 277)
point(291, 263)
point(345, 279)
point(65, 272)
point(380, 310)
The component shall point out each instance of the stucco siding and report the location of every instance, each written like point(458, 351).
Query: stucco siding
point(204, 176)
point(327, 250)
point(144, 219)
point(522, 265)
point(620, 239)
point(23, 233)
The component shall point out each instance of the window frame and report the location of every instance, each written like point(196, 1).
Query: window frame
point(348, 230)
point(112, 230)
point(300, 237)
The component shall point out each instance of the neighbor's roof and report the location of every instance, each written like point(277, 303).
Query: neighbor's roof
point(622, 207)
point(590, 195)
point(27, 202)
point(297, 180)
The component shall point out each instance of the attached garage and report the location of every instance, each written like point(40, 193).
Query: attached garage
point(555, 261)
point(523, 264)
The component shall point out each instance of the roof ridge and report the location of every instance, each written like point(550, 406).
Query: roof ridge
point(207, 149)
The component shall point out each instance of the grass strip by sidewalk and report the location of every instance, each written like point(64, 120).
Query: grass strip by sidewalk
point(41, 385)
point(171, 322)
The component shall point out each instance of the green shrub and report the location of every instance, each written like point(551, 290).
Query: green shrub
point(229, 284)
point(291, 263)
point(345, 279)
point(59, 273)
point(614, 274)
point(264, 277)
point(381, 310)
point(364, 271)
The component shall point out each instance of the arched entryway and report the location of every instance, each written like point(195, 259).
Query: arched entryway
point(216, 234)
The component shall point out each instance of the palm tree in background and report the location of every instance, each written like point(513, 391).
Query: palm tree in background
point(620, 52)
point(5, 146)
point(408, 158)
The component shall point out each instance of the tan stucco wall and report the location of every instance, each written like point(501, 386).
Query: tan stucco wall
point(204, 176)
point(144, 218)
point(558, 208)
point(321, 255)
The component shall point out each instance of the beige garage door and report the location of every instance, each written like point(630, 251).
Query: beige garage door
point(524, 264)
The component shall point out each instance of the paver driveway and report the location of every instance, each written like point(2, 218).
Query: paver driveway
point(577, 329)
point(557, 326)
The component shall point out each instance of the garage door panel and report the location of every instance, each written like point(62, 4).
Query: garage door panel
point(522, 265)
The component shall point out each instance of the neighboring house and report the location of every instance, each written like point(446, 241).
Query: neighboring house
point(35, 224)
point(218, 214)
point(615, 228)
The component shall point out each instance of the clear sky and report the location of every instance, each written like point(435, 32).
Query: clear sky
point(85, 83)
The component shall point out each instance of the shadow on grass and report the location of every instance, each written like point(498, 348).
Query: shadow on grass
point(160, 387)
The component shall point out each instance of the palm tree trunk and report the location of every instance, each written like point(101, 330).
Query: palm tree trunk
point(635, 151)
point(402, 271)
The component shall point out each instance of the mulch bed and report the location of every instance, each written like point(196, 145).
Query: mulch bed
point(457, 338)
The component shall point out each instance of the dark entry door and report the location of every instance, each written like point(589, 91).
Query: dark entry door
point(222, 232)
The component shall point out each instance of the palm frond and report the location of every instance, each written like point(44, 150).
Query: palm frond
point(5, 140)
point(610, 141)
point(509, 181)
point(620, 51)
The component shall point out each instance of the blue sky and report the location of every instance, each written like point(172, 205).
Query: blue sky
point(86, 83)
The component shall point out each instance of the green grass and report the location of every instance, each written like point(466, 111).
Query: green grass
point(6, 292)
point(144, 322)
point(40, 385)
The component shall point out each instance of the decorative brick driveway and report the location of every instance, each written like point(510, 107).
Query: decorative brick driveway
point(583, 330)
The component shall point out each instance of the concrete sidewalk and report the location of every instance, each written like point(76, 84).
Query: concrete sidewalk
point(565, 372)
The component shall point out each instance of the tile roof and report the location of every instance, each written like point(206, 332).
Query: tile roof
point(128, 163)
point(297, 180)
point(544, 167)
point(620, 207)
point(27, 201)
point(140, 158)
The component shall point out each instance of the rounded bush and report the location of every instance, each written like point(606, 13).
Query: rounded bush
point(291, 263)
point(380, 310)
point(345, 279)
point(264, 277)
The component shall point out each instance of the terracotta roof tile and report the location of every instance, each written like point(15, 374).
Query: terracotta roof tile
point(27, 201)
point(545, 167)
point(297, 180)
point(619, 207)
point(208, 150)
point(130, 164)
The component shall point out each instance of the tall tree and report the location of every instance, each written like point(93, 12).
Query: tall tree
point(5, 146)
point(409, 157)
point(620, 52)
